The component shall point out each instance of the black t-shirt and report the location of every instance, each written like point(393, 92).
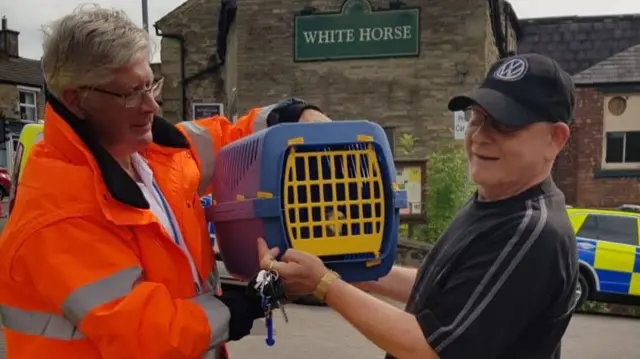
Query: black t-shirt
point(500, 282)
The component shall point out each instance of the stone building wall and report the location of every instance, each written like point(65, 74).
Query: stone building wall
point(9, 101)
point(197, 22)
point(409, 94)
point(157, 75)
point(510, 35)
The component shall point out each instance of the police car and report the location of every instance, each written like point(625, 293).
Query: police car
point(608, 248)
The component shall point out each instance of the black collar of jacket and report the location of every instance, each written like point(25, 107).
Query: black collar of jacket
point(121, 186)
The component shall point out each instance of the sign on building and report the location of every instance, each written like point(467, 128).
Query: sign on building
point(357, 32)
point(411, 177)
point(203, 110)
point(459, 125)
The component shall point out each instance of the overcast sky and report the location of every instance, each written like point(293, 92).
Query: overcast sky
point(27, 16)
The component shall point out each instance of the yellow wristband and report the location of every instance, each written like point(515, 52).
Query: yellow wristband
point(323, 285)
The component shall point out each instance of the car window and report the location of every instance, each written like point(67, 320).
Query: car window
point(589, 228)
point(618, 229)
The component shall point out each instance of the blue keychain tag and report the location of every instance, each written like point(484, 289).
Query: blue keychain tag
point(268, 316)
point(270, 341)
point(266, 285)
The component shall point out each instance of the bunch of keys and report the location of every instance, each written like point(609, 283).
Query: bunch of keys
point(268, 285)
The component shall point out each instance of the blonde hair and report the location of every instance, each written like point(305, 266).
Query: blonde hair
point(85, 47)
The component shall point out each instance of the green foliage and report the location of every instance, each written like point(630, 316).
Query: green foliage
point(448, 187)
point(407, 143)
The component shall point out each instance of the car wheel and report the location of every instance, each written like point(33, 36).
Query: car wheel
point(582, 291)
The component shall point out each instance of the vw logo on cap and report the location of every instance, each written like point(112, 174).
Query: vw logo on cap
point(512, 70)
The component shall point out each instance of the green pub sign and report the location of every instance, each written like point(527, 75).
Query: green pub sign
point(357, 32)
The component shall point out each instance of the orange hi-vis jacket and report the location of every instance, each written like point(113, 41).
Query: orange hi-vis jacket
point(87, 271)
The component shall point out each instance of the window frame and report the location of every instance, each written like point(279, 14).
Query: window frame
point(624, 123)
point(34, 107)
point(617, 165)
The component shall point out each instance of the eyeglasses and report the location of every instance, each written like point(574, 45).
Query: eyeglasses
point(134, 98)
point(476, 117)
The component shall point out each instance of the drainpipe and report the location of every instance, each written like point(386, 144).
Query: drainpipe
point(183, 52)
point(495, 16)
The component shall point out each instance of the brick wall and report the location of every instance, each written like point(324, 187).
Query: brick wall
point(409, 94)
point(583, 156)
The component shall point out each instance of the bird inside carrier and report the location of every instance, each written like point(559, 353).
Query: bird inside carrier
point(333, 200)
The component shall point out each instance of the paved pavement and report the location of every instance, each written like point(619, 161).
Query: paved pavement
point(319, 333)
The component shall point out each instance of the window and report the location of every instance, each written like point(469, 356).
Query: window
point(623, 147)
point(28, 104)
point(589, 228)
point(621, 137)
point(618, 229)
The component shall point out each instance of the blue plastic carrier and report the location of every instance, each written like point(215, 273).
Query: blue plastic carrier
point(324, 188)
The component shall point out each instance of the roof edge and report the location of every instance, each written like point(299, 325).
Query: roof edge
point(587, 84)
point(178, 10)
point(19, 83)
point(576, 18)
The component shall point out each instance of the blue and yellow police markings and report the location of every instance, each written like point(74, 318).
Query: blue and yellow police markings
point(616, 265)
point(634, 287)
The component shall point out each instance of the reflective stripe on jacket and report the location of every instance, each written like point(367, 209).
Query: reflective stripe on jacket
point(87, 271)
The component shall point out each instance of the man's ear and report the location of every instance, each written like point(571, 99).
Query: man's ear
point(559, 137)
point(72, 99)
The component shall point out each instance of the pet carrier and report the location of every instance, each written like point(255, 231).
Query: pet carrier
point(323, 188)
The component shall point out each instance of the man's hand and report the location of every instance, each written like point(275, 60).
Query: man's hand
point(300, 271)
point(311, 115)
point(387, 326)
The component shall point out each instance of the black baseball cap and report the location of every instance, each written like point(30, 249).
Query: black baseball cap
point(521, 90)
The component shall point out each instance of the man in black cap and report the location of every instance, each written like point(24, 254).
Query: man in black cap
point(500, 282)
